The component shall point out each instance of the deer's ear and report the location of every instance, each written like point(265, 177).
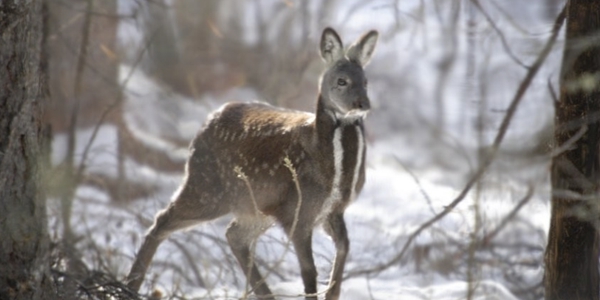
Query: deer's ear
point(363, 48)
point(331, 46)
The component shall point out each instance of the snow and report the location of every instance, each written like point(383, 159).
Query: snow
point(411, 176)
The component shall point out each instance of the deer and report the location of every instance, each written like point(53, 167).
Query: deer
point(265, 165)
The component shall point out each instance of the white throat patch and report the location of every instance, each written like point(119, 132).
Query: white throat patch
point(335, 195)
point(359, 159)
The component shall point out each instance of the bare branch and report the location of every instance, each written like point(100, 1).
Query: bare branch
point(109, 109)
point(190, 258)
point(288, 164)
point(69, 192)
point(241, 175)
point(500, 34)
point(418, 182)
point(570, 142)
point(487, 161)
point(510, 216)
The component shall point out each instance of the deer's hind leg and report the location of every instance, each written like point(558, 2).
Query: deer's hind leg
point(187, 209)
point(241, 235)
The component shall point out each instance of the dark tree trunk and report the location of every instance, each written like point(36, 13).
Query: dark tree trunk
point(572, 251)
point(24, 243)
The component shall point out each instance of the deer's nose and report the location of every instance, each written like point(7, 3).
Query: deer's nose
point(362, 104)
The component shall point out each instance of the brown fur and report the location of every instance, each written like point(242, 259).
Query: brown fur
point(236, 165)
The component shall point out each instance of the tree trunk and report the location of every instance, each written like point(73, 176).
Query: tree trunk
point(572, 251)
point(24, 266)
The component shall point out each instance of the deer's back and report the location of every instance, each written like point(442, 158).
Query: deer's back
point(241, 151)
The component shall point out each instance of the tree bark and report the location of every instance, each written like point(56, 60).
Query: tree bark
point(24, 242)
point(572, 251)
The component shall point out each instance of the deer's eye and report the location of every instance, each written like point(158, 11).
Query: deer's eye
point(342, 82)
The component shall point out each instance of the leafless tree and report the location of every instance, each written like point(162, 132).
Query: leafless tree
point(573, 249)
point(24, 249)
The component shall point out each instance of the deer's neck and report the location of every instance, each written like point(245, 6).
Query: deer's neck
point(327, 122)
point(342, 142)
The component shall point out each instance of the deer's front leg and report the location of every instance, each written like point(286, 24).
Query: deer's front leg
point(302, 241)
point(336, 228)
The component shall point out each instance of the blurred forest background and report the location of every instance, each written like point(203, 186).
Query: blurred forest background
point(131, 82)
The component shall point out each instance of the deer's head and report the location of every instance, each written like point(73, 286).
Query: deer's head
point(343, 85)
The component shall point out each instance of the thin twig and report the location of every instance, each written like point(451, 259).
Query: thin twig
point(69, 193)
point(553, 94)
point(81, 60)
point(525, 83)
point(288, 164)
point(511, 20)
point(488, 237)
point(190, 258)
point(570, 142)
point(69, 6)
point(257, 213)
point(241, 175)
point(292, 296)
point(109, 109)
point(418, 182)
point(500, 34)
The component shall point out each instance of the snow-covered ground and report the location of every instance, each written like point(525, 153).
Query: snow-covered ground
point(411, 176)
point(392, 205)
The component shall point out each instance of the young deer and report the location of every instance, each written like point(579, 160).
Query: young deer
point(266, 164)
